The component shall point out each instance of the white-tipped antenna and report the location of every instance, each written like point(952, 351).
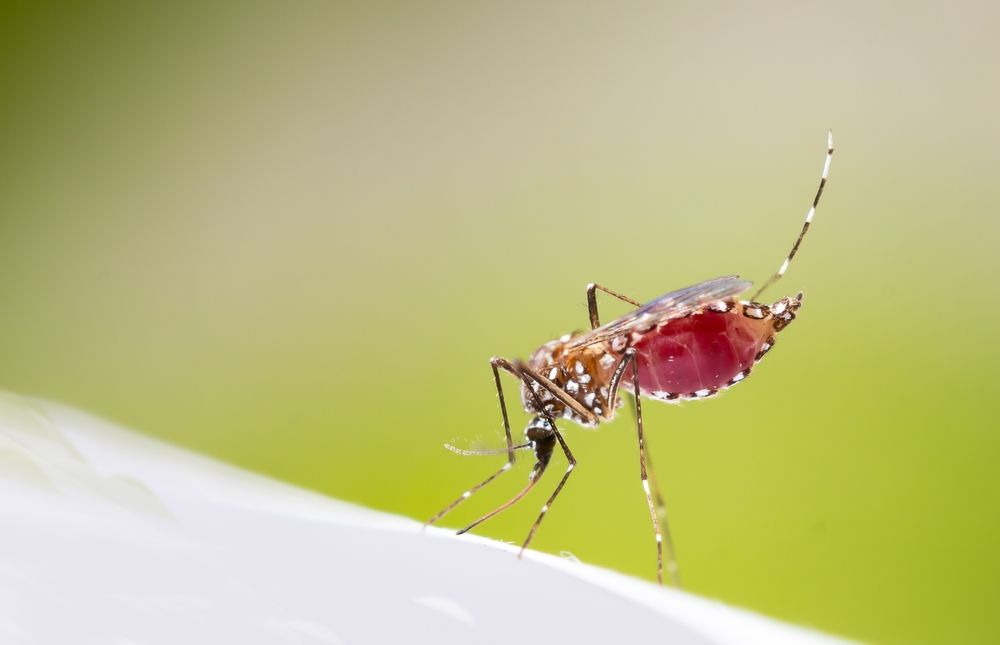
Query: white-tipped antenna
point(485, 452)
point(809, 217)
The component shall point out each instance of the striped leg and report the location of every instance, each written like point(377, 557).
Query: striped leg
point(497, 364)
point(543, 435)
point(661, 534)
point(533, 477)
point(805, 226)
point(661, 504)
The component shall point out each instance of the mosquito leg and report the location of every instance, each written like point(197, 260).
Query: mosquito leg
point(661, 505)
point(533, 477)
point(541, 437)
point(629, 360)
point(592, 288)
point(805, 226)
point(497, 364)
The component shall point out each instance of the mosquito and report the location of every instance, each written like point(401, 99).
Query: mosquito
point(688, 344)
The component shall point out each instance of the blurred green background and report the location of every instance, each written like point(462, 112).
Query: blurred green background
point(291, 236)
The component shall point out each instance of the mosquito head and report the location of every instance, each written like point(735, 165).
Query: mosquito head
point(542, 438)
point(539, 429)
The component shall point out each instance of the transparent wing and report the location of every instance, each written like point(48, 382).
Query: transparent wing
point(666, 307)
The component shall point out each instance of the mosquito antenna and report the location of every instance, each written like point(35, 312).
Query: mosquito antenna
point(484, 452)
point(809, 216)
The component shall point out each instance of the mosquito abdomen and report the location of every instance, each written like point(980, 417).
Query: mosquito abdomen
point(706, 351)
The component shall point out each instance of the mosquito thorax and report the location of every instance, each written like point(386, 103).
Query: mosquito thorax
point(547, 359)
point(583, 373)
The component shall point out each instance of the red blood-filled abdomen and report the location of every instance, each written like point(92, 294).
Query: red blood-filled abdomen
point(703, 351)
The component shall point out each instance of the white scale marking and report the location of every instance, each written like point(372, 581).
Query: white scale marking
point(467, 494)
point(545, 509)
point(645, 486)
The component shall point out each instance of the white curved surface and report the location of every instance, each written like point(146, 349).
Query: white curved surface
point(110, 537)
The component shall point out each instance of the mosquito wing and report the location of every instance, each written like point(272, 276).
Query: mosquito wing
point(667, 307)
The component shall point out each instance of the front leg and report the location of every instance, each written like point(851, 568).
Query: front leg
point(497, 364)
point(543, 438)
